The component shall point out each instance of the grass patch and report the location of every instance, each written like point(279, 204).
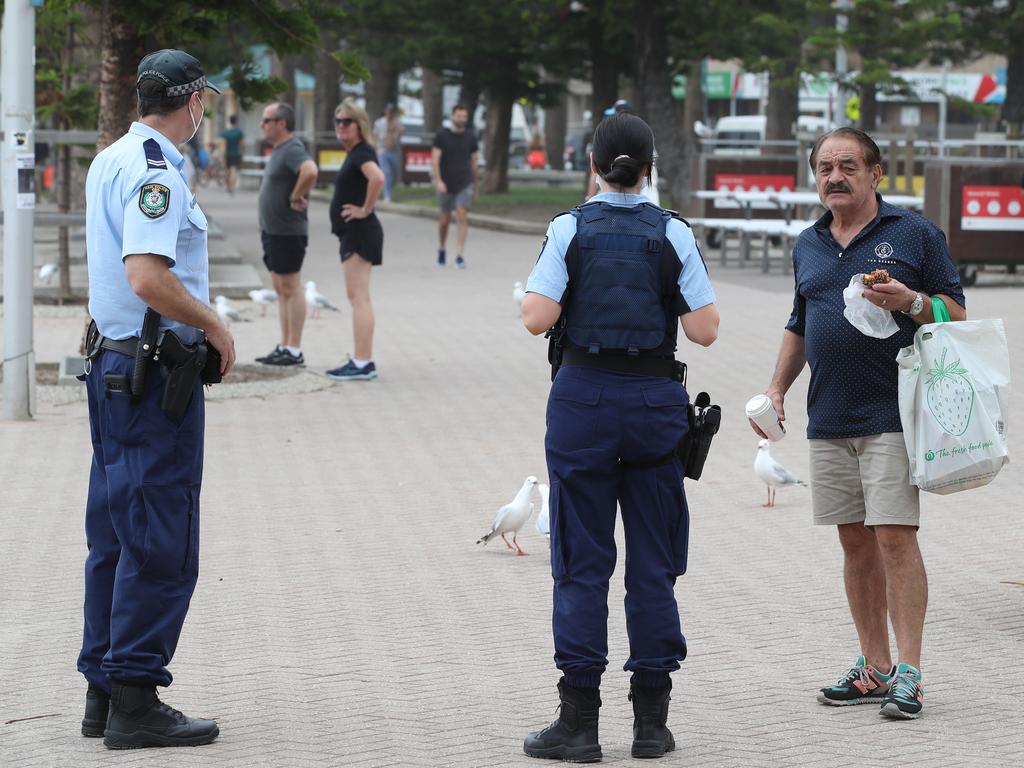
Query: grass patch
point(528, 204)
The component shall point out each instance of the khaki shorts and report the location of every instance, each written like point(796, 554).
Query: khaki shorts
point(863, 479)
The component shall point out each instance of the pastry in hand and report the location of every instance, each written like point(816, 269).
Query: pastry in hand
point(879, 276)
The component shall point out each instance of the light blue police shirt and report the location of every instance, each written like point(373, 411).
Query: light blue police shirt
point(117, 225)
point(550, 275)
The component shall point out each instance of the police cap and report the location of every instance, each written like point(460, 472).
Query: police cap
point(180, 73)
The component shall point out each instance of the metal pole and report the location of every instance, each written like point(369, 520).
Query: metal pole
point(842, 96)
point(18, 178)
point(943, 108)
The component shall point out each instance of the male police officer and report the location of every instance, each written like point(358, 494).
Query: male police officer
point(146, 244)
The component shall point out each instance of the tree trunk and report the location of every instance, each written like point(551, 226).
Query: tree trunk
point(327, 94)
point(783, 106)
point(433, 102)
point(655, 102)
point(555, 123)
point(868, 108)
point(1013, 108)
point(469, 94)
point(288, 66)
point(496, 138)
point(122, 50)
point(604, 74)
point(67, 57)
point(382, 86)
point(693, 110)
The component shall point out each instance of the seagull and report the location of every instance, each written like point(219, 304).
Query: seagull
point(227, 312)
point(511, 517)
point(544, 516)
point(518, 294)
point(263, 296)
point(317, 300)
point(773, 473)
point(46, 272)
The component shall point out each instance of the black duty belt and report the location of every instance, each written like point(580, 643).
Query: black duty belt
point(643, 366)
point(124, 346)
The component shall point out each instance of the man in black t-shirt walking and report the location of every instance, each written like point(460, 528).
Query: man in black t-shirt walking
point(454, 158)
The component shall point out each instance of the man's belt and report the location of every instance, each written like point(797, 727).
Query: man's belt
point(643, 366)
point(124, 347)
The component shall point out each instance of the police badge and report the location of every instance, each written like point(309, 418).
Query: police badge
point(154, 200)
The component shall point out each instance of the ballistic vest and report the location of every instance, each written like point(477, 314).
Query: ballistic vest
point(622, 284)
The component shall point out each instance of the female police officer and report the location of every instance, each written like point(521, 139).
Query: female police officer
point(617, 272)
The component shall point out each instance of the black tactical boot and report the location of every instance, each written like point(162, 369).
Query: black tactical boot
point(650, 712)
point(139, 719)
point(97, 704)
point(573, 736)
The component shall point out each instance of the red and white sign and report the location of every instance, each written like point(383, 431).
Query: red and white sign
point(751, 182)
point(992, 208)
point(417, 160)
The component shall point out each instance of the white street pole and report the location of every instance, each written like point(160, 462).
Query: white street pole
point(943, 108)
point(841, 64)
point(18, 178)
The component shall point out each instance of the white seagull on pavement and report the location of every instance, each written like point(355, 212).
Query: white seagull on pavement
point(46, 272)
point(773, 473)
point(227, 312)
point(511, 517)
point(263, 296)
point(544, 516)
point(317, 300)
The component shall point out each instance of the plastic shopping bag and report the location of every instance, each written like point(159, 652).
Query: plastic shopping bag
point(865, 316)
point(954, 386)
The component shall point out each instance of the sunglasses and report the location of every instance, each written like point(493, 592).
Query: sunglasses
point(345, 121)
point(266, 120)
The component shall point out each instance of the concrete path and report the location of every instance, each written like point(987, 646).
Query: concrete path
point(344, 616)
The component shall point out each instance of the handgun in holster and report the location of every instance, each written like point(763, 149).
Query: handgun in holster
point(144, 353)
point(705, 420)
point(554, 335)
point(185, 366)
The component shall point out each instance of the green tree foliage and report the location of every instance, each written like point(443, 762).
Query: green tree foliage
point(883, 37)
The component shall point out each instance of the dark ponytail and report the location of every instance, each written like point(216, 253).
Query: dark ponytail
point(623, 145)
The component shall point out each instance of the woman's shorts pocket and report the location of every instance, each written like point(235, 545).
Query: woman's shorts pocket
point(572, 414)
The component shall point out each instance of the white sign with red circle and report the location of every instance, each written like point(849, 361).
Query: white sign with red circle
point(992, 208)
point(752, 182)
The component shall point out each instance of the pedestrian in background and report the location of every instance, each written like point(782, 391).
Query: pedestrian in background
point(146, 244)
point(616, 413)
point(388, 130)
point(234, 144)
point(356, 189)
point(284, 229)
point(859, 466)
point(454, 170)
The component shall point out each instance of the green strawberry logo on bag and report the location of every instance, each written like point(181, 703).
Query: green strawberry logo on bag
point(950, 395)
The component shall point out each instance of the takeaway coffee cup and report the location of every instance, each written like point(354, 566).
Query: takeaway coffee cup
point(761, 411)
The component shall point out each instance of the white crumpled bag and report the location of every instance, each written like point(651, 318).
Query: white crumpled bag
point(865, 316)
point(954, 387)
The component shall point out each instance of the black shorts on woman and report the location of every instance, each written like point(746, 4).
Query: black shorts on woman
point(364, 237)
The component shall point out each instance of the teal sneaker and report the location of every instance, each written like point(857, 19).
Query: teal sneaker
point(905, 698)
point(862, 684)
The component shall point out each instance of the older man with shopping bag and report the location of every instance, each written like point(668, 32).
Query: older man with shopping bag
point(859, 466)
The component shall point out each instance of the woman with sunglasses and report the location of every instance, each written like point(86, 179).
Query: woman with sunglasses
point(356, 189)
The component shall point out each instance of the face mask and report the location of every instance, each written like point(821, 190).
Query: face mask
point(195, 125)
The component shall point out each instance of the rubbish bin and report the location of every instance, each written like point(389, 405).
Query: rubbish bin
point(979, 204)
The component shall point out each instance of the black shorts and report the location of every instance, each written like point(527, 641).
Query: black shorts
point(283, 254)
point(365, 239)
point(233, 161)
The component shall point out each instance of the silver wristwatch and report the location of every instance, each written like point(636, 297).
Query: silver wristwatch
point(915, 306)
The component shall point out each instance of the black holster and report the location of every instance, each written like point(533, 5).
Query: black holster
point(144, 352)
point(185, 366)
point(692, 450)
point(554, 335)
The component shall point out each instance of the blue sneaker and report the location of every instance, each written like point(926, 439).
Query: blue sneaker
point(352, 372)
point(460, 263)
point(905, 698)
point(440, 257)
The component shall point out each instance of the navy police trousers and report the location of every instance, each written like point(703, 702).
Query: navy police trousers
point(595, 418)
point(141, 527)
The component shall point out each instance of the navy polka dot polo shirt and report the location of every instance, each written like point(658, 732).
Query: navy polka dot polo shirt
point(853, 377)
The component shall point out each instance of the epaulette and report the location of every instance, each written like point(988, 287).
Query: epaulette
point(675, 215)
point(154, 155)
point(562, 213)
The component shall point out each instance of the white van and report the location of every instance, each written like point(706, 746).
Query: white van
point(744, 134)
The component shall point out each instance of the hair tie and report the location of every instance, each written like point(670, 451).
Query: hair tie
point(620, 157)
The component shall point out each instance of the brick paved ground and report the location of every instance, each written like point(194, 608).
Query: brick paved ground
point(344, 616)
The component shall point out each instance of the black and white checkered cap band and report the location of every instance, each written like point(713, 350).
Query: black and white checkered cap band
point(174, 90)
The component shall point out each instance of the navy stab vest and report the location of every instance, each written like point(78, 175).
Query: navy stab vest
point(623, 295)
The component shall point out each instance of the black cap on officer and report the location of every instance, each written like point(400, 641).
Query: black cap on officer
point(180, 73)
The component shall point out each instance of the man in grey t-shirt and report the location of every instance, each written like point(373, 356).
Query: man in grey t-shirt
point(288, 175)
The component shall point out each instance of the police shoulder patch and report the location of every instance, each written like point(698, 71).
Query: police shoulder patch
point(154, 199)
